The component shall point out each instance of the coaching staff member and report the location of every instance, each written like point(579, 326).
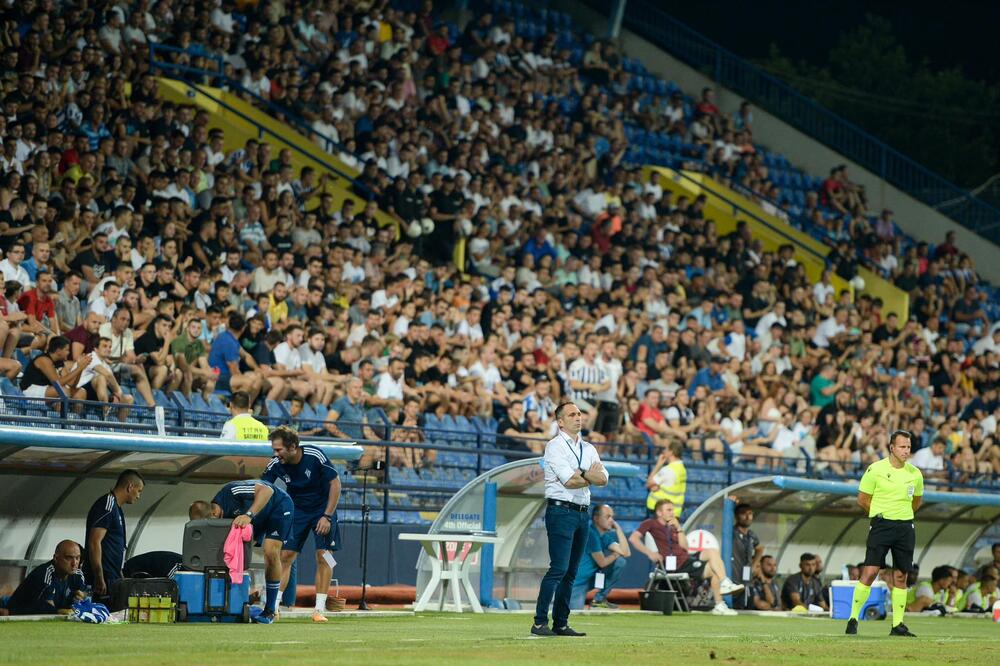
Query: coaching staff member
point(890, 491)
point(571, 467)
point(314, 486)
point(106, 536)
point(52, 587)
point(269, 510)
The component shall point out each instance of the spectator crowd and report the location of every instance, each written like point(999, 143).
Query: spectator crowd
point(138, 251)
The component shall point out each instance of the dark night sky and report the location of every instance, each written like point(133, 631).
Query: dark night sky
point(965, 34)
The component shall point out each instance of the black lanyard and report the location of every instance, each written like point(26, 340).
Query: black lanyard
point(579, 458)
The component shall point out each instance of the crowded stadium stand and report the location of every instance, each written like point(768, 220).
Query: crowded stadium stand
point(392, 230)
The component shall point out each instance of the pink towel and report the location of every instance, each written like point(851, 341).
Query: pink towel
point(232, 551)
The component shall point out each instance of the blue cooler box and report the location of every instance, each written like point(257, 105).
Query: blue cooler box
point(210, 596)
point(842, 596)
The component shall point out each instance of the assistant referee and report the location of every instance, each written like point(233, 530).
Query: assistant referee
point(890, 491)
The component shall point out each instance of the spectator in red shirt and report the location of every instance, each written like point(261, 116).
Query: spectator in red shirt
point(707, 107)
point(83, 338)
point(947, 248)
point(832, 193)
point(671, 552)
point(39, 305)
point(439, 42)
point(649, 419)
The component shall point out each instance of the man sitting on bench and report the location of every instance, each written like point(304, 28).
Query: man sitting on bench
point(270, 511)
point(672, 549)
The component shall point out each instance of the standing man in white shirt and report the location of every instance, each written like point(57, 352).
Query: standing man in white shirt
point(824, 288)
point(608, 413)
point(571, 467)
point(586, 379)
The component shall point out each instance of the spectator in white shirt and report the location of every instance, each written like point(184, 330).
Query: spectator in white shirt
point(12, 269)
point(470, 328)
point(777, 315)
point(930, 459)
point(391, 388)
point(108, 301)
point(824, 288)
point(268, 274)
point(988, 344)
point(288, 362)
point(830, 329)
point(314, 365)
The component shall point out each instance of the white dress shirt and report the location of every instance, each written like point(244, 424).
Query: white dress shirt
point(564, 455)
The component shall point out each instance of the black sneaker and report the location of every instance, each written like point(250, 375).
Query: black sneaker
point(541, 630)
point(901, 630)
point(852, 627)
point(567, 631)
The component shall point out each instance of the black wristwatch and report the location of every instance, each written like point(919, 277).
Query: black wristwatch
point(248, 514)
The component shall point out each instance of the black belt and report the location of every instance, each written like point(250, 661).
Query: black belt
point(879, 517)
point(569, 505)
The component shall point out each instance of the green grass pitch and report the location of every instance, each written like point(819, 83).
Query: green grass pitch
point(438, 639)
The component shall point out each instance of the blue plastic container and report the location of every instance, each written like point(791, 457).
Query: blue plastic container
point(842, 595)
point(210, 596)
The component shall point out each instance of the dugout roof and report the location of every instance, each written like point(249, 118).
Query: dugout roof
point(50, 477)
point(795, 515)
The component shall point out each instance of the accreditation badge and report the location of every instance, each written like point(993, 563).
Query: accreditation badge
point(909, 491)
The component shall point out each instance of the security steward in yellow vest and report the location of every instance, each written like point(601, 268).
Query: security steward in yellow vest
point(668, 480)
point(243, 427)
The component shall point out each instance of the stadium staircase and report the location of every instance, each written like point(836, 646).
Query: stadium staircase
point(727, 207)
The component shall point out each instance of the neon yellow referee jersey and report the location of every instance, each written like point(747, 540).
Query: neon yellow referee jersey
point(892, 489)
point(244, 428)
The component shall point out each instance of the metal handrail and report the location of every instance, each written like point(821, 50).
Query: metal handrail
point(727, 69)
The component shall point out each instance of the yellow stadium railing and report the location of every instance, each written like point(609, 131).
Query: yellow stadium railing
point(727, 207)
point(241, 121)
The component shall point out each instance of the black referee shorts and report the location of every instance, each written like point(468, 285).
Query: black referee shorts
point(899, 536)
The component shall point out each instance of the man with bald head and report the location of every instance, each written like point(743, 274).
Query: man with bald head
point(52, 587)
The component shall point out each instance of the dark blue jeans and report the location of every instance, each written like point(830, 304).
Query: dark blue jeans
point(567, 531)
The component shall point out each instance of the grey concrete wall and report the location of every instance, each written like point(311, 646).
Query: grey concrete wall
point(917, 218)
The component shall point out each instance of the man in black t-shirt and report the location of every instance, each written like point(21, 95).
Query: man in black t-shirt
point(445, 204)
point(804, 588)
point(153, 347)
point(97, 261)
point(747, 553)
point(515, 424)
point(888, 330)
point(764, 592)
